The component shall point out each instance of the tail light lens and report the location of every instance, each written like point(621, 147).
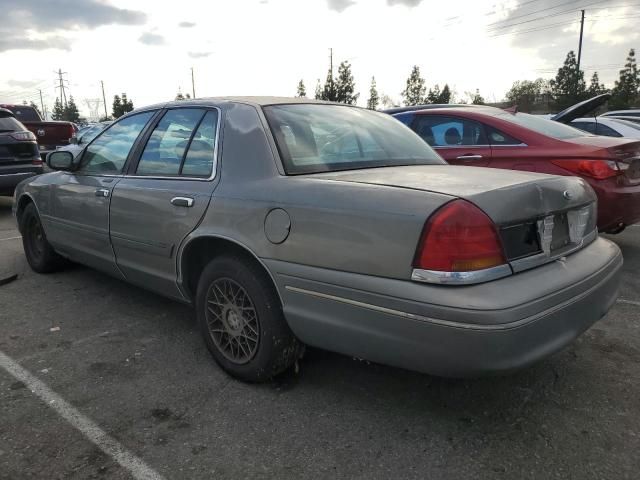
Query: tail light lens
point(459, 237)
point(22, 136)
point(598, 169)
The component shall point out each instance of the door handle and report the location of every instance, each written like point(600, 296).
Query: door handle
point(182, 201)
point(102, 192)
point(469, 157)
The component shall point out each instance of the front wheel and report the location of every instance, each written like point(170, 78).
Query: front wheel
point(242, 322)
point(40, 255)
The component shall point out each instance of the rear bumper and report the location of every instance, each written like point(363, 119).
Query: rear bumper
point(9, 180)
point(617, 204)
point(453, 331)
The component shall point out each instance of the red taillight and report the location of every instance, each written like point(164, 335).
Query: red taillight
point(459, 237)
point(36, 161)
point(598, 169)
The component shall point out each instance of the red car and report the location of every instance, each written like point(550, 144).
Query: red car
point(491, 137)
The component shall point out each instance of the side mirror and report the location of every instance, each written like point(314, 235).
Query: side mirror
point(60, 160)
point(74, 140)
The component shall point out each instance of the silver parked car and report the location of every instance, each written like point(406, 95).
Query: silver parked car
point(287, 222)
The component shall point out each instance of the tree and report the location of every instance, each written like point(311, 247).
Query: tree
point(116, 110)
point(626, 91)
point(526, 93)
point(127, 105)
point(318, 94)
point(595, 87)
point(434, 95)
point(476, 98)
point(345, 85)
point(414, 92)
point(568, 87)
point(445, 96)
point(71, 113)
point(374, 100)
point(302, 91)
point(58, 110)
point(329, 91)
point(179, 96)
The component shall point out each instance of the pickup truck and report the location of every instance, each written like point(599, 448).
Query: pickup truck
point(49, 135)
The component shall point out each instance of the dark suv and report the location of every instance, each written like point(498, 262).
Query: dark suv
point(19, 153)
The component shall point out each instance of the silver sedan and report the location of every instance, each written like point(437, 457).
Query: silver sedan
point(287, 222)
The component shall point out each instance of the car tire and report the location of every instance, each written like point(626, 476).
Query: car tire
point(241, 320)
point(40, 255)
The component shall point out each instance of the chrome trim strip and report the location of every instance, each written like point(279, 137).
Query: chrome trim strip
point(542, 258)
point(448, 323)
point(478, 146)
point(460, 278)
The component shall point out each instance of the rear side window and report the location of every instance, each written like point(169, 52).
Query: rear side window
point(496, 137)
point(10, 124)
point(445, 131)
point(25, 113)
point(108, 153)
point(199, 159)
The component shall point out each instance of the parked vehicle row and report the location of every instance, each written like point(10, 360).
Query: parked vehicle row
point(49, 135)
point(492, 137)
point(19, 153)
point(287, 222)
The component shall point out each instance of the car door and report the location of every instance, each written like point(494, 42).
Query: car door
point(164, 195)
point(512, 153)
point(458, 140)
point(79, 220)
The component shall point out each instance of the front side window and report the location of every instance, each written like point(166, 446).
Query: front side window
point(445, 131)
point(314, 138)
point(108, 152)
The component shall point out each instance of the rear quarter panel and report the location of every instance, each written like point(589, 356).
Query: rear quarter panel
point(367, 229)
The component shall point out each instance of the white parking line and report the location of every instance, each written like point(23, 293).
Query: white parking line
point(138, 469)
point(9, 238)
point(629, 302)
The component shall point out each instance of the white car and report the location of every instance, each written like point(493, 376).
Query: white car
point(83, 137)
point(609, 127)
point(623, 113)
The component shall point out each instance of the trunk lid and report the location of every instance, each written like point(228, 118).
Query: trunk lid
point(507, 196)
point(13, 152)
point(581, 109)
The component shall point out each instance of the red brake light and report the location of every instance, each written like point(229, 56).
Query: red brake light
point(459, 237)
point(598, 169)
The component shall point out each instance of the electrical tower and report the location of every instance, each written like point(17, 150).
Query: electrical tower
point(93, 104)
point(61, 86)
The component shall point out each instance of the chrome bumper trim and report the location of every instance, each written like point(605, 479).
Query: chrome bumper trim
point(460, 278)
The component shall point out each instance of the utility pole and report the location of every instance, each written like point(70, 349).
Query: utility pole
point(104, 100)
point(331, 63)
point(42, 104)
point(63, 95)
point(580, 44)
point(193, 84)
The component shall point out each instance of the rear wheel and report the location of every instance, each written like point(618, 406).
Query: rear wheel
point(40, 255)
point(241, 319)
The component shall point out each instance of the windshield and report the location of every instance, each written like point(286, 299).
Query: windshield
point(316, 138)
point(550, 128)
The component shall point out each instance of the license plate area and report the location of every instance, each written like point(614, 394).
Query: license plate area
point(560, 235)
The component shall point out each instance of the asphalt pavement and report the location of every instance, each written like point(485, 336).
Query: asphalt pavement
point(104, 380)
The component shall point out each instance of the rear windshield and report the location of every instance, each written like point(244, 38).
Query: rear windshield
point(321, 138)
point(541, 125)
point(24, 113)
point(10, 124)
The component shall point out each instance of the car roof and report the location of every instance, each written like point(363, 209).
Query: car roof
point(6, 112)
point(429, 106)
point(259, 101)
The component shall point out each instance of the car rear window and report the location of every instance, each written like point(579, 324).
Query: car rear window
point(315, 138)
point(541, 125)
point(10, 124)
point(24, 113)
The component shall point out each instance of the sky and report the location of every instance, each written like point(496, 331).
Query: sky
point(147, 48)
